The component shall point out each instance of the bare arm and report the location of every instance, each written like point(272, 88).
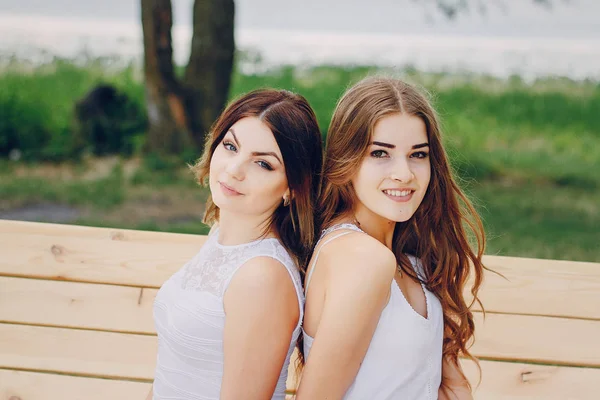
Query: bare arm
point(357, 288)
point(150, 394)
point(456, 388)
point(262, 311)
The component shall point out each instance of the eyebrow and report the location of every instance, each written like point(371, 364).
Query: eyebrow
point(383, 144)
point(256, 153)
point(393, 146)
point(418, 146)
point(266, 153)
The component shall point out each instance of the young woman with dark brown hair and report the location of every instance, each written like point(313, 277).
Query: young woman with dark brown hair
point(385, 316)
point(229, 319)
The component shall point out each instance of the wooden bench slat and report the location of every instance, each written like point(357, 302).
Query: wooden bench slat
point(40, 386)
point(93, 260)
point(92, 232)
point(537, 339)
point(77, 352)
point(518, 381)
point(515, 381)
point(542, 287)
point(501, 381)
point(80, 305)
point(502, 337)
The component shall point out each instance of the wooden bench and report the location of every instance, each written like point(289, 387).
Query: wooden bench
point(76, 317)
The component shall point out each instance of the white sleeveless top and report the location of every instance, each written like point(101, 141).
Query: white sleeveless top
point(404, 358)
point(190, 319)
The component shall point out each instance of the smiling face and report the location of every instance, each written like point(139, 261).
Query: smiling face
point(394, 175)
point(247, 174)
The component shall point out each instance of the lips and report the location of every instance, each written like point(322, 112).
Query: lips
point(228, 190)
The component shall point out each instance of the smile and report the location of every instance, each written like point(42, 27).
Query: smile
point(399, 195)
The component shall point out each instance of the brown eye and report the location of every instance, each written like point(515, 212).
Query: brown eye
point(379, 154)
point(420, 154)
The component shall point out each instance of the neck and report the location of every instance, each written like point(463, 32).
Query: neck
point(375, 225)
point(237, 229)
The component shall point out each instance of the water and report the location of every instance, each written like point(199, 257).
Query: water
point(39, 38)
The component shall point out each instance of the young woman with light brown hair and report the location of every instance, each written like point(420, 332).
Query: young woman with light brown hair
point(385, 316)
point(229, 319)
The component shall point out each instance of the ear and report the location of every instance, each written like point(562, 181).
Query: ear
point(287, 197)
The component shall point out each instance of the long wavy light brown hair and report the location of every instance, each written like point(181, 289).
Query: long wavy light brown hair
point(438, 231)
point(295, 128)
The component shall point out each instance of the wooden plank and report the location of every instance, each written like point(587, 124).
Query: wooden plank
point(132, 356)
point(84, 259)
point(518, 381)
point(22, 385)
point(91, 232)
point(501, 381)
point(81, 305)
point(542, 287)
point(537, 339)
point(514, 381)
point(78, 352)
point(501, 337)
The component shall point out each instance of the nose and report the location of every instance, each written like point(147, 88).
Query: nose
point(402, 171)
point(235, 168)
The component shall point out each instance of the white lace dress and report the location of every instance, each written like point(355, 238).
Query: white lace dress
point(190, 319)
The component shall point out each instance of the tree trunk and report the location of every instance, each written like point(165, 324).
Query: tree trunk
point(208, 74)
point(181, 112)
point(167, 133)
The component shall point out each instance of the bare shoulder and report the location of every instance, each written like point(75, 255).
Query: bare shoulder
point(360, 253)
point(263, 273)
point(262, 287)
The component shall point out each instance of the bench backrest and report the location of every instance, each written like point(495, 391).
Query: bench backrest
point(76, 317)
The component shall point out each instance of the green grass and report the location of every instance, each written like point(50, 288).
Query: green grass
point(103, 193)
point(37, 106)
point(540, 221)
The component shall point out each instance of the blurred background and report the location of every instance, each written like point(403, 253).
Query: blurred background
point(103, 104)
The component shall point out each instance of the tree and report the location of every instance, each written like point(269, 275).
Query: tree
point(450, 8)
point(180, 110)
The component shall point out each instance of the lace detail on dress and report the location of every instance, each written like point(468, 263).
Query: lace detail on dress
point(213, 267)
point(345, 225)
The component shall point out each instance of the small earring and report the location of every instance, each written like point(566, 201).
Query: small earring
point(286, 201)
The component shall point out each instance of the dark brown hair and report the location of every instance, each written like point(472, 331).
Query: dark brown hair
point(295, 128)
point(436, 233)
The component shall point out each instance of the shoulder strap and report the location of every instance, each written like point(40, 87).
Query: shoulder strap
point(333, 228)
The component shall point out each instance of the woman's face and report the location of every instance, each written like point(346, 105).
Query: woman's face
point(247, 174)
point(394, 175)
